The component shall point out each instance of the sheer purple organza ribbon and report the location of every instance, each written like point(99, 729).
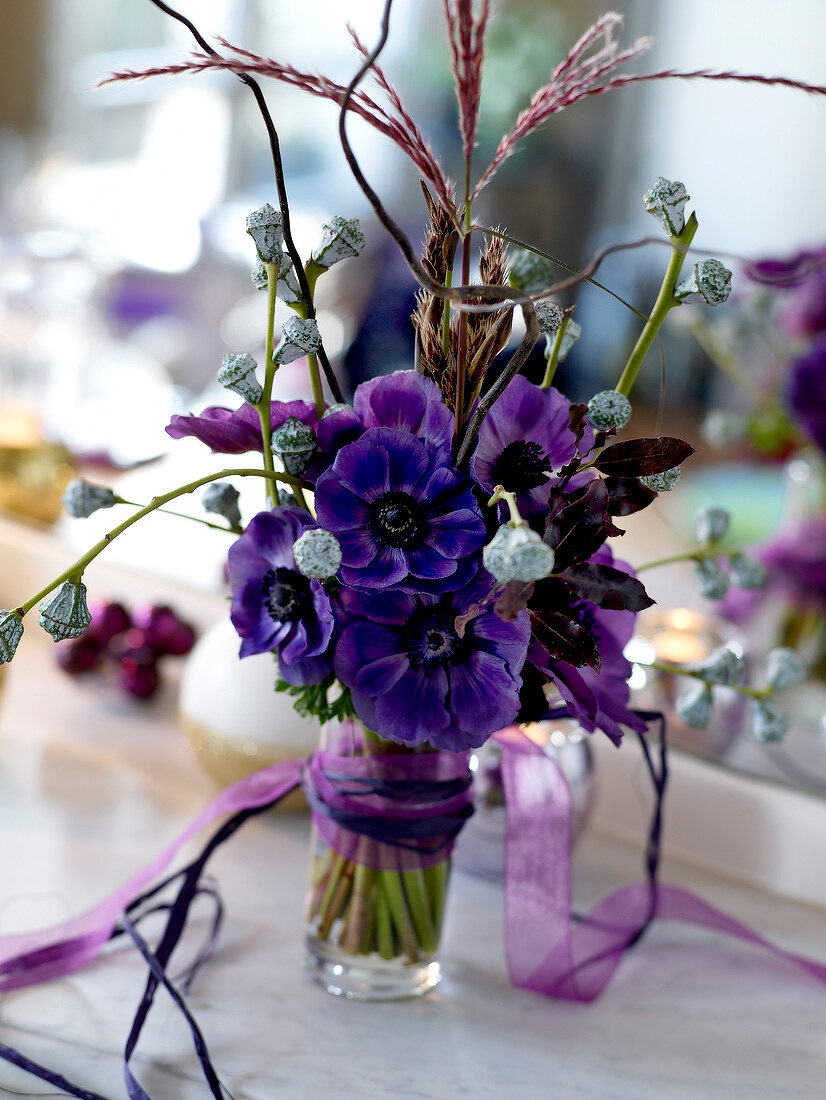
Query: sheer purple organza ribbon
point(390, 812)
point(547, 950)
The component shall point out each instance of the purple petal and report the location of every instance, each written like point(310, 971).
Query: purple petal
point(414, 710)
point(406, 400)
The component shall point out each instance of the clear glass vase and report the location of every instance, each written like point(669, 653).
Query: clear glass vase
point(377, 890)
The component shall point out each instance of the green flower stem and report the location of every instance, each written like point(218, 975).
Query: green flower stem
point(665, 301)
point(182, 515)
point(417, 901)
point(338, 896)
point(501, 493)
point(679, 670)
point(359, 909)
point(75, 570)
point(391, 884)
point(553, 358)
point(707, 550)
point(385, 940)
point(435, 880)
point(263, 406)
point(312, 368)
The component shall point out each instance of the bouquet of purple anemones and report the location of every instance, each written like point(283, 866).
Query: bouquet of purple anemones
point(431, 561)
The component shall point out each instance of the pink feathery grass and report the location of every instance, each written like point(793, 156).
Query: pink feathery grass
point(583, 74)
point(395, 123)
point(466, 37)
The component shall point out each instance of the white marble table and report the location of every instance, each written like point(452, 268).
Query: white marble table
point(92, 786)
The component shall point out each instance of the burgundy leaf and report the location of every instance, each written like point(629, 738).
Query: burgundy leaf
point(565, 640)
point(577, 422)
point(643, 457)
point(627, 495)
point(607, 587)
point(579, 524)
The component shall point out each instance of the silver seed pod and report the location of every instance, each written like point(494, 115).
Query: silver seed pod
point(695, 706)
point(65, 614)
point(342, 239)
point(712, 581)
point(709, 282)
point(784, 669)
point(665, 202)
point(295, 443)
point(298, 337)
point(609, 409)
point(569, 338)
point(712, 524)
point(548, 315)
point(221, 498)
point(317, 554)
point(265, 227)
point(238, 374)
point(517, 554)
point(723, 666)
point(530, 272)
point(81, 499)
point(11, 631)
point(747, 572)
point(664, 482)
point(768, 721)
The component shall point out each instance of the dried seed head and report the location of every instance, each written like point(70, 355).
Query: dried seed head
point(65, 614)
point(81, 499)
point(548, 315)
point(222, 498)
point(747, 572)
point(712, 524)
point(317, 554)
point(665, 202)
point(530, 272)
point(295, 443)
point(517, 554)
point(609, 409)
point(784, 669)
point(11, 631)
point(298, 337)
point(723, 666)
point(712, 581)
point(709, 282)
point(695, 706)
point(342, 239)
point(768, 721)
point(265, 227)
point(664, 482)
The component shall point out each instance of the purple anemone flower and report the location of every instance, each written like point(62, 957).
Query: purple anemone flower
point(807, 391)
point(234, 431)
point(597, 700)
point(414, 677)
point(408, 401)
point(401, 512)
point(274, 607)
point(523, 438)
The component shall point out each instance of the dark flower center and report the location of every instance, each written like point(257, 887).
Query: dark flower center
point(287, 594)
point(431, 641)
point(395, 519)
point(521, 466)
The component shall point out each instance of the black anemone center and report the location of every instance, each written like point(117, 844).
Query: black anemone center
point(287, 594)
point(521, 466)
point(395, 519)
point(431, 640)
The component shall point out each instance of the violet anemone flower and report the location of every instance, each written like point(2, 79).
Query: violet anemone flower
point(414, 677)
point(234, 431)
point(400, 511)
point(807, 391)
point(597, 700)
point(408, 401)
point(524, 437)
point(274, 607)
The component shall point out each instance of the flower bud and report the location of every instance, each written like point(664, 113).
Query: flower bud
point(695, 706)
point(222, 498)
point(295, 443)
point(517, 554)
point(712, 524)
point(265, 227)
point(664, 482)
point(238, 374)
point(549, 316)
point(665, 202)
point(342, 239)
point(768, 721)
point(609, 409)
point(747, 572)
point(317, 554)
point(723, 666)
point(65, 614)
point(298, 337)
point(11, 631)
point(712, 581)
point(81, 498)
point(784, 669)
point(530, 272)
point(709, 282)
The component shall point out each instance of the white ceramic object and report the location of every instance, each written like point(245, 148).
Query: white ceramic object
point(234, 719)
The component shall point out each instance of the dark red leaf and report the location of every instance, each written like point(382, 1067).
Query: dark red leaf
point(627, 495)
point(565, 640)
point(576, 422)
point(607, 587)
point(643, 457)
point(579, 524)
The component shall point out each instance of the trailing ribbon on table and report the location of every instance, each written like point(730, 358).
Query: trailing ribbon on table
point(547, 950)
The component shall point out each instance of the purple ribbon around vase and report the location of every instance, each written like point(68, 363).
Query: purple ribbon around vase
point(352, 799)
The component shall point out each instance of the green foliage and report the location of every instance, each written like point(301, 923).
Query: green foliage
point(313, 700)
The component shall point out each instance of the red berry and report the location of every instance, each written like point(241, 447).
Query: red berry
point(79, 655)
point(164, 631)
point(108, 620)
